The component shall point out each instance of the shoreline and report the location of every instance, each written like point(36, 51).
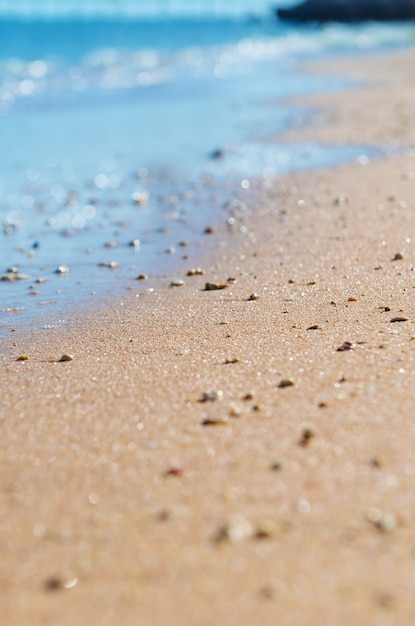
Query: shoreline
point(71, 215)
point(132, 495)
point(361, 114)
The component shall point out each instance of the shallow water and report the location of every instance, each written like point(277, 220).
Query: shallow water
point(92, 113)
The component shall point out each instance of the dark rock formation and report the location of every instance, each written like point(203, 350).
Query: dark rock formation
point(350, 11)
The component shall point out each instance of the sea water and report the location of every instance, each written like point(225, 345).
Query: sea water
point(112, 119)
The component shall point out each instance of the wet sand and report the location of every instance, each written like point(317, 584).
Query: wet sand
point(211, 456)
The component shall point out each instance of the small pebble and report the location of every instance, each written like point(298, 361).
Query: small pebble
point(53, 584)
point(399, 318)
point(140, 198)
point(314, 327)
point(174, 471)
point(306, 436)
point(217, 154)
point(267, 592)
point(235, 529)
point(135, 243)
point(215, 286)
point(232, 359)
point(398, 257)
point(10, 277)
point(211, 396)
point(234, 410)
point(388, 523)
point(111, 264)
point(375, 462)
point(196, 271)
point(215, 420)
point(164, 515)
point(22, 357)
point(277, 466)
point(265, 530)
point(68, 580)
point(347, 345)
point(286, 382)
point(385, 522)
point(142, 277)
point(177, 282)
point(209, 230)
point(62, 269)
point(253, 296)
point(341, 200)
point(66, 357)
point(248, 396)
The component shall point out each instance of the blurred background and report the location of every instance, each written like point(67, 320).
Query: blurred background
point(126, 126)
point(137, 8)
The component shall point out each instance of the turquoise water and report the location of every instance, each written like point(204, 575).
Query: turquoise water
point(136, 8)
point(94, 111)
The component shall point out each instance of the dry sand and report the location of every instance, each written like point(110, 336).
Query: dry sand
point(378, 111)
point(118, 505)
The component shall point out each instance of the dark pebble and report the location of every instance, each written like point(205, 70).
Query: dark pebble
point(347, 345)
point(306, 436)
point(286, 382)
point(53, 584)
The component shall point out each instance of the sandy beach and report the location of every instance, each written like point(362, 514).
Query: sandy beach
point(241, 455)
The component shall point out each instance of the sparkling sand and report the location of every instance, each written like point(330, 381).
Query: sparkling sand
point(211, 456)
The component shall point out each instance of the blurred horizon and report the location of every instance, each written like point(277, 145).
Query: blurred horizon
point(52, 9)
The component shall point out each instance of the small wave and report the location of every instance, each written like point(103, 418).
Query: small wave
point(63, 69)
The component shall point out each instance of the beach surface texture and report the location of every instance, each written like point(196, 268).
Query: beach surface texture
point(235, 455)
